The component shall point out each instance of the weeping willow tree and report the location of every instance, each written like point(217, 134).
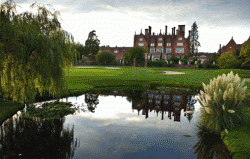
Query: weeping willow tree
point(34, 50)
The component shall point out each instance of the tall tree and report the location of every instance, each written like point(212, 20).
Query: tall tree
point(92, 45)
point(137, 53)
point(194, 36)
point(105, 57)
point(34, 49)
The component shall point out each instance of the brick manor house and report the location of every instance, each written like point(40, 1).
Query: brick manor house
point(168, 44)
point(231, 46)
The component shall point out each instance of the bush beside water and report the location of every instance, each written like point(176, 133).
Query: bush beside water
point(221, 103)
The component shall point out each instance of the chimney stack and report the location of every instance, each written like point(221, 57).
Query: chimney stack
point(166, 30)
point(189, 32)
point(174, 30)
point(149, 28)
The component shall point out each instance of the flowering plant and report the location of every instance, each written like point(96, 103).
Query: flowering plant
point(221, 102)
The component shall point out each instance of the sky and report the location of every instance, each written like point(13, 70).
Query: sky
point(116, 21)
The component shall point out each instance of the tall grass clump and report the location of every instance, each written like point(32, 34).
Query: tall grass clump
point(221, 102)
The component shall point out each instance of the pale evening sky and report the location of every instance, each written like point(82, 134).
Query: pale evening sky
point(116, 21)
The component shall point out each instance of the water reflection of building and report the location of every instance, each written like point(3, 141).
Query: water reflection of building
point(163, 102)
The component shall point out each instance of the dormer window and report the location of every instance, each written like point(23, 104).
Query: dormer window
point(160, 39)
point(140, 39)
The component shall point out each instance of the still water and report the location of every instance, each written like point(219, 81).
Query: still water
point(111, 125)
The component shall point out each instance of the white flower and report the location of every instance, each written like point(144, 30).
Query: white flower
point(223, 107)
point(230, 111)
point(225, 95)
point(208, 98)
point(226, 131)
point(208, 110)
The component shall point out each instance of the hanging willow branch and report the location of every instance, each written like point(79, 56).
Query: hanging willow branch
point(34, 49)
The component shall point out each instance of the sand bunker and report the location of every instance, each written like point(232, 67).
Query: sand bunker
point(173, 72)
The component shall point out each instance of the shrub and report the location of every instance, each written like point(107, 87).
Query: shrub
point(221, 103)
point(228, 60)
point(105, 57)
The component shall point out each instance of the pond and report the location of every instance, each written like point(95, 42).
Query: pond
point(111, 124)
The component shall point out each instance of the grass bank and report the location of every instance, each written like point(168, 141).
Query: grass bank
point(84, 79)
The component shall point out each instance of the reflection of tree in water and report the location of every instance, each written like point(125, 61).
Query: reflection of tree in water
point(190, 107)
point(91, 99)
point(24, 137)
point(134, 95)
point(210, 145)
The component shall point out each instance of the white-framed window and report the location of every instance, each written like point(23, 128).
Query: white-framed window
point(179, 50)
point(157, 96)
point(168, 50)
point(141, 44)
point(150, 95)
point(159, 44)
point(179, 44)
point(152, 44)
point(160, 39)
point(116, 51)
point(176, 103)
point(177, 97)
point(159, 50)
point(165, 102)
point(157, 102)
point(141, 39)
point(152, 50)
point(180, 38)
point(168, 44)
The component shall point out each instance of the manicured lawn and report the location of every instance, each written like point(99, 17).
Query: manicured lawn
point(82, 79)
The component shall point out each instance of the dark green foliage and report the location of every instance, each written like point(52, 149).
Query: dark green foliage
point(80, 51)
point(245, 54)
point(159, 63)
point(213, 58)
point(173, 59)
point(37, 138)
point(184, 60)
point(137, 53)
point(194, 36)
point(228, 60)
point(51, 110)
point(161, 56)
point(92, 45)
point(34, 49)
point(105, 57)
